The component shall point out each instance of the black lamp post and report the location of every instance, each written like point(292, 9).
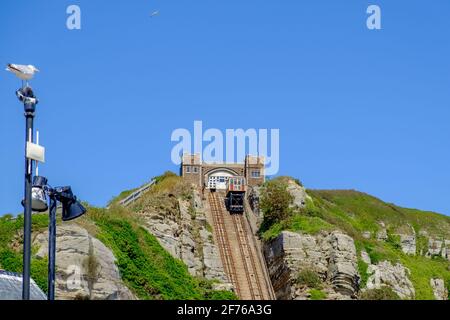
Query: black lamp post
point(29, 100)
point(71, 209)
point(35, 199)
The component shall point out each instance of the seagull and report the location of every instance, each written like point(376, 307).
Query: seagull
point(154, 13)
point(23, 72)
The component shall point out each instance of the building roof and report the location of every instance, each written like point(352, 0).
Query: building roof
point(11, 287)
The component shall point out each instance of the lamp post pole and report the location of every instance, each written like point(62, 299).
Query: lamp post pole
point(29, 101)
point(52, 248)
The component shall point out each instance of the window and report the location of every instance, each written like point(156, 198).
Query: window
point(188, 169)
point(256, 174)
point(195, 169)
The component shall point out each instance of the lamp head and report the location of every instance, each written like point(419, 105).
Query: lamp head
point(38, 197)
point(71, 207)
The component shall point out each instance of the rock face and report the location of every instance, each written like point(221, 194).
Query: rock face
point(438, 247)
point(365, 257)
point(446, 250)
point(367, 234)
point(408, 243)
point(330, 255)
point(253, 198)
point(85, 267)
point(394, 276)
point(185, 233)
point(342, 268)
point(298, 193)
point(439, 290)
point(382, 233)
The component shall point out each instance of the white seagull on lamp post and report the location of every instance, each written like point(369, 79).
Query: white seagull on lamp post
point(23, 72)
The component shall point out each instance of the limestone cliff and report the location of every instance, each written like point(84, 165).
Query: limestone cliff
point(86, 268)
point(181, 227)
point(356, 245)
point(331, 255)
point(330, 244)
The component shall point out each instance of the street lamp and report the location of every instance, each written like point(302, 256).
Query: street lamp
point(33, 152)
point(71, 209)
point(36, 194)
point(26, 95)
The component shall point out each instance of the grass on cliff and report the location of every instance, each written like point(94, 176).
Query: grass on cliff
point(11, 247)
point(421, 268)
point(383, 293)
point(165, 181)
point(276, 200)
point(355, 212)
point(145, 267)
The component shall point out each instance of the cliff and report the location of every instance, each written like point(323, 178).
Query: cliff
point(356, 246)
point(161, 247)
point(317, 244)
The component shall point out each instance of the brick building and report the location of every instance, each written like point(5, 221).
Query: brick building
point(216, 175)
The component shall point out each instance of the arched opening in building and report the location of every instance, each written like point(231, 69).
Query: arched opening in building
point(218, 178)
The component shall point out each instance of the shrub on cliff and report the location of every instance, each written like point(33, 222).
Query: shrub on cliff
point(309, 278)
point(275, 203)
point(383, 293)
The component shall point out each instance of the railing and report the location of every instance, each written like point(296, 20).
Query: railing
point(136, 194)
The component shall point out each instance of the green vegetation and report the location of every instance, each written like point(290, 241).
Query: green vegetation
point(421, 244)
point(309, 278)
point(146, 268)
point(448, 288)
point(353, 213)
point(11, 247)
point(394, 241)
point(164, 176)
point(152, 273)
point(317, 294)
point(297, 222)
point(121, 196)
point(275, 202)
point(362, 270)
point(158, 179)
point(421, 268)
point(283, 216)
point(384, 293)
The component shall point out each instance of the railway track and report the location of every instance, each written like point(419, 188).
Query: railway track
point(239, 256)
point(251, 270)
point(223, 241)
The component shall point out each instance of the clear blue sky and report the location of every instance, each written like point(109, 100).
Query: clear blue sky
point(360, 109)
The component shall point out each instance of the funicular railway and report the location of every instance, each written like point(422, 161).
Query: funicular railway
point(239, 252)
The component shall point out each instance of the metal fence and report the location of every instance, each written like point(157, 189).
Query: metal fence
point(136, 194)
